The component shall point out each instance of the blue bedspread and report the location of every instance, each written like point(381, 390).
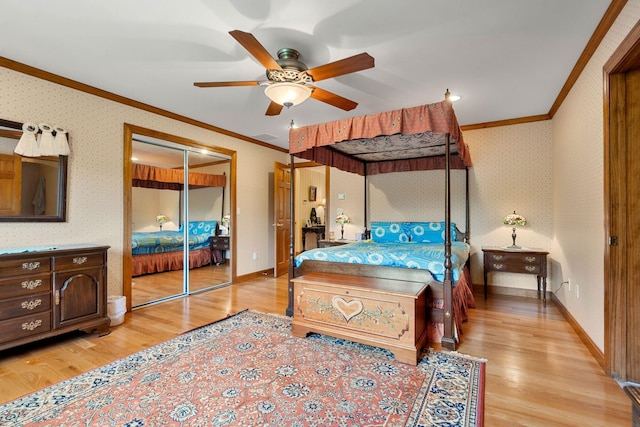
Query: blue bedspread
point(423, 256)
point(165, 241)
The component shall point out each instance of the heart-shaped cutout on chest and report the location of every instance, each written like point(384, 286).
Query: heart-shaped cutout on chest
point(349, 309)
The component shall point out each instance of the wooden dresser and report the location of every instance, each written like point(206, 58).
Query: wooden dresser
point(52, 291)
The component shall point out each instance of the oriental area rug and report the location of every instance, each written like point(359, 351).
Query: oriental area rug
point(248, 370)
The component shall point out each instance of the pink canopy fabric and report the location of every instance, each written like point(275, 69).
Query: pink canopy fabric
point(402, 140)
point(172, 179)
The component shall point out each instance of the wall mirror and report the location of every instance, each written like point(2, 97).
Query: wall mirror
point(32, 189)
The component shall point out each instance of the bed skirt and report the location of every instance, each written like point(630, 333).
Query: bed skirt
point(168, 261)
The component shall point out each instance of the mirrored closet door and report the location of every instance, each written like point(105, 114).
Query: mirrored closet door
point(180, 233)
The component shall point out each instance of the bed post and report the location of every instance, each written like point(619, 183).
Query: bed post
point(467, 233)
point(292, 236)
point(223, 198)
point(366, 203)
point(448, 339)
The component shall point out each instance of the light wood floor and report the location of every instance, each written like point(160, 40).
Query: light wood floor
point(538, 371)
point(152, 287)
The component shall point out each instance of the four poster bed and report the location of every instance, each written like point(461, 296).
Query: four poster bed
point(158, 251)
point(330, 289)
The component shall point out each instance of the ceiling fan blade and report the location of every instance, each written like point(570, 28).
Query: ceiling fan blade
point(352, 64)
point(332, 99)
point(253, 46)
point(223, 84)
point(274, 109)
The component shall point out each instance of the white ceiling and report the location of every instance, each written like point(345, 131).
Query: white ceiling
point(506, 58)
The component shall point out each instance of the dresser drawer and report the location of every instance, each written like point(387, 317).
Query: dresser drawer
point(221, 243)
point(514, 257)
point(25, 326)
point(513, 266)
point(19, 286)
point(25, 305)
point(25, 267)
point(68, 262)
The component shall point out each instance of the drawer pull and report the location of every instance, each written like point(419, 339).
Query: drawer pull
point(530, 259)
point(57, 297)
point(30, 305)
point(498, 257)
point(31, 265)
point(80, 260)
point(31, 284)
point(31, 325)
point(530, 267)
point(498, 266)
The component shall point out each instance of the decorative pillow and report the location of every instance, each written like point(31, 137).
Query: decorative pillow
point(429, 232)
point(389, 232)
point(202, 227)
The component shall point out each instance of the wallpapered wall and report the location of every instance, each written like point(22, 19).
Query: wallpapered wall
point(511, 170)
point(95, 190)
point(578, 185)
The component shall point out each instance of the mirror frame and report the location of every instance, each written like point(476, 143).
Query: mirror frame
point(129, 131)
point(61, 215)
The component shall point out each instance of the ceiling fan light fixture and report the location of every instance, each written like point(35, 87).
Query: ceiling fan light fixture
point(288, 94)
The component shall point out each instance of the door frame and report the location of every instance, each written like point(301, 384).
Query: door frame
point(617, 277)
point(129, 131)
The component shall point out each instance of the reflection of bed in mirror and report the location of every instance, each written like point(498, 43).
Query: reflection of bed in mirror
point(159, 251)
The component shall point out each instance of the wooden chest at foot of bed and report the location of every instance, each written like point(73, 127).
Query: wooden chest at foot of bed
point(381, 312)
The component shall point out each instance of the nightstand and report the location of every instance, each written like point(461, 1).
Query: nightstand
point(319, 232)
point(218, 245)
point(525, 261)
point(329, 243)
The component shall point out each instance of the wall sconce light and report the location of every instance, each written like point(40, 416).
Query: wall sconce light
point(46, 144)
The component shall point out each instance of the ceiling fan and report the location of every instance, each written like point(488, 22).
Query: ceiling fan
point(289, 80)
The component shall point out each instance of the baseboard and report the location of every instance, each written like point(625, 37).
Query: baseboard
point(591, 346)
point(256, 274)
point(503, 290)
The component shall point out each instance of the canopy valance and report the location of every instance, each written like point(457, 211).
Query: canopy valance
point(401, 140)
point(172, 179)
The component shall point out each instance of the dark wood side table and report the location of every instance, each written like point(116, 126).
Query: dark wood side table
point(525, 260)
point(219, 245)
point(329, 243)
point(317, 229)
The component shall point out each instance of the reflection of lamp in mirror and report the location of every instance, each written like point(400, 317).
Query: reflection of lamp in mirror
point(161, 219)
point(320, 211)
point(342, 219)
point(514, 220)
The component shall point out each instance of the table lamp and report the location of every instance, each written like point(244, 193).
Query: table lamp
point(514, 220)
